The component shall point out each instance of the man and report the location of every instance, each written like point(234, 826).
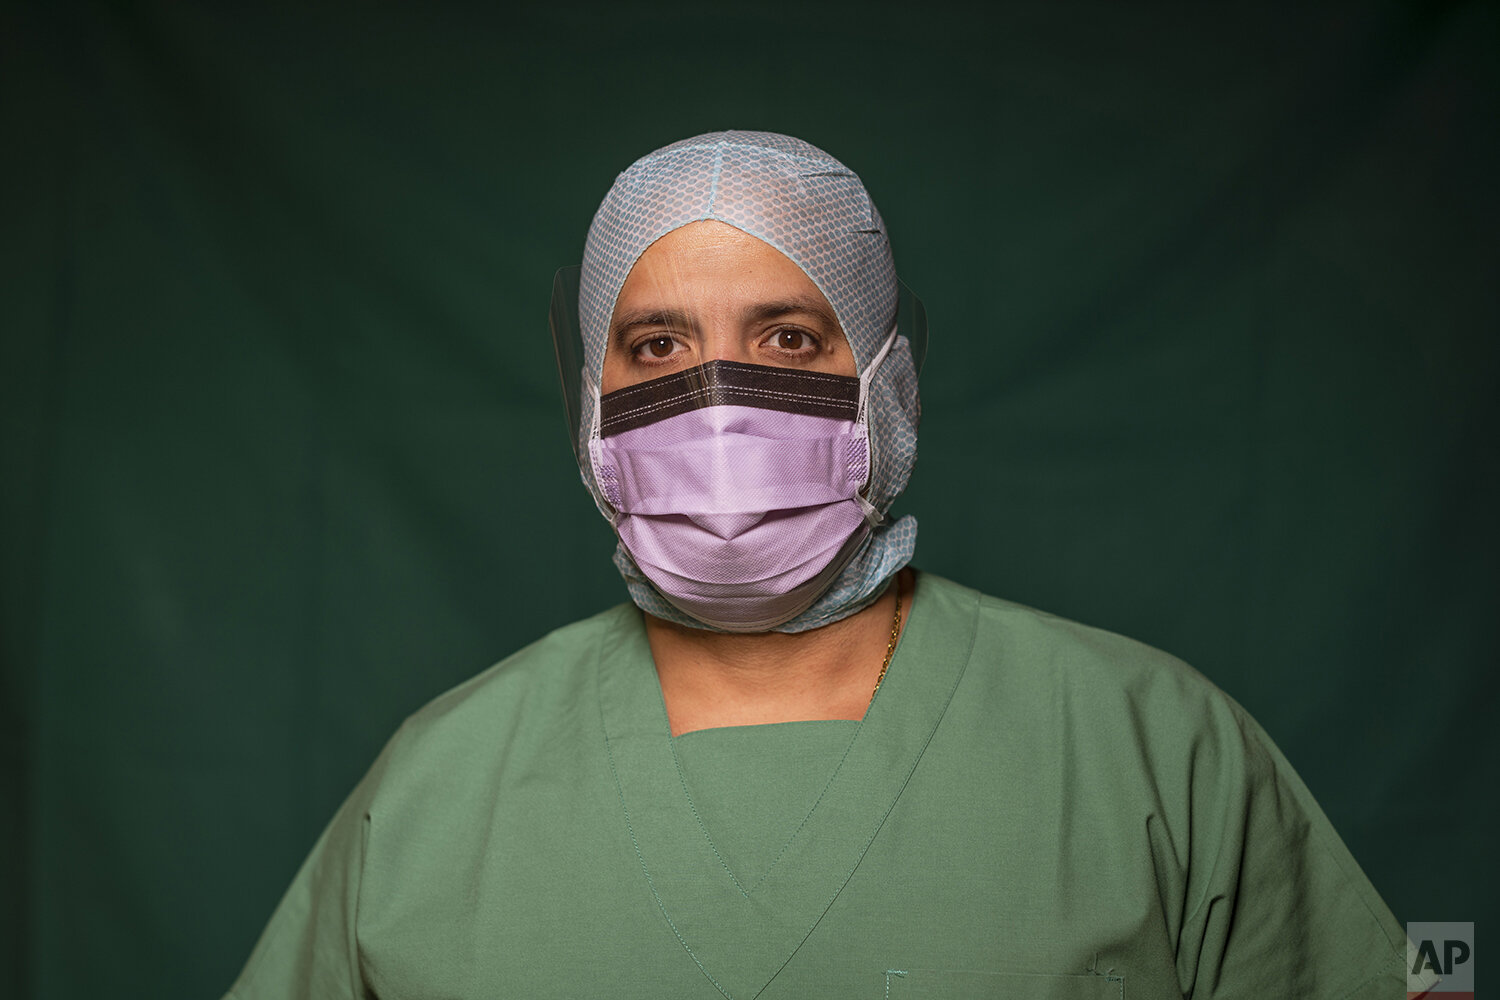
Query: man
point(793, 767)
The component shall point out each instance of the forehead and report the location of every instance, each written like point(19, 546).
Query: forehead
point(711, 275)
point(710, 258)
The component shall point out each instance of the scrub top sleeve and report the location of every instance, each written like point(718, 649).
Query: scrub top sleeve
point(1278, 907)
point(309, 947)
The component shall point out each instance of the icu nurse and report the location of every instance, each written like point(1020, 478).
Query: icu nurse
point(793, 766)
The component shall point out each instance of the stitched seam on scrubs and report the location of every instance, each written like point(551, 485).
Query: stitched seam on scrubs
point(693, 808)
point(888, 974)
point(1394, 960)
point(1326, 837)
point(635, 844)
point(829, 784)
point(793, 836)
point(651, 883)
point(838, 768)
point(917, 759)
point(826, 785)
point(1108, 975)
point(255, 965)
point(356, 971)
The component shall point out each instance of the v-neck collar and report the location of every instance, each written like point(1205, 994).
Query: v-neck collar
point(740, 934)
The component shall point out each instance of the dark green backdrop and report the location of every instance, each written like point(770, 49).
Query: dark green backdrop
point(1213, 302)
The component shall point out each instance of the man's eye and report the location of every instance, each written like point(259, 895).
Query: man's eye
point(793, 340)
point(657, 347)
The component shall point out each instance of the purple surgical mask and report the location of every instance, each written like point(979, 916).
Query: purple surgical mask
point(737, 488)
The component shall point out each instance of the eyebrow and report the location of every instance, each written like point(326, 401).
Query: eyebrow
point(672, 319)
point(677, 319)
point(800, 304)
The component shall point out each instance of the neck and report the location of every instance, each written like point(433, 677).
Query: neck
point(714, 679)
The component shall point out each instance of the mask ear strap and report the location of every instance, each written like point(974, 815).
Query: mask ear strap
point(872, 514)
point(600, 493)
point(593, 390)
point(868, 375)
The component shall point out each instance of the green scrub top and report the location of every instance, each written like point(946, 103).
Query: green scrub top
point(1029, 807)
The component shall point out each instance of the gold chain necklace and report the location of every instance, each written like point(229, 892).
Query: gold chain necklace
point(890, 647)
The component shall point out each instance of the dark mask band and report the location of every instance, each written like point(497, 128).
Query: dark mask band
point(729, 383)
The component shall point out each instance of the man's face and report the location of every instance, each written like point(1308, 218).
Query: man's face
point(708, 292)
